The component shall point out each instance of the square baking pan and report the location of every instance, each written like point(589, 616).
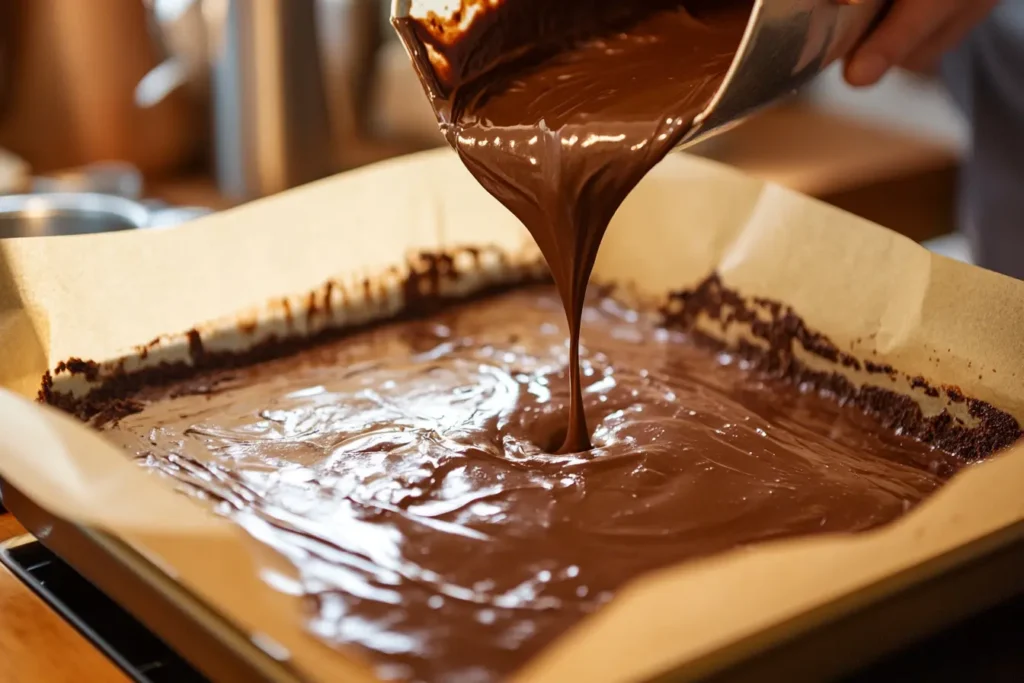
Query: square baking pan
point(802, 609)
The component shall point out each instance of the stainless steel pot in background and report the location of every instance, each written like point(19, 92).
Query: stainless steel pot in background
point(58, 214)
point(276, 90)
point(271, 128)
point(289, 84)
point(48, 215)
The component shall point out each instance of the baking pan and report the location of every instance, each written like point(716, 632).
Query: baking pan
point(201, 635)
point(819, 646)
point(801, 609)
point(140, 654)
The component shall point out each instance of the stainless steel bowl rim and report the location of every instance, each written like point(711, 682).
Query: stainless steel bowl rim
point(70, 203)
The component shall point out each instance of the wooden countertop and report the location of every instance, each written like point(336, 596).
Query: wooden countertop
point(36, 644)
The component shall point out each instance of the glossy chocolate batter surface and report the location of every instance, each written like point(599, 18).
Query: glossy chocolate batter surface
point(408, 472)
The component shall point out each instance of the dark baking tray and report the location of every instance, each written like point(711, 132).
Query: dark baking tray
point(143, 657)
point(822, 645)
point(201, 635)
point(984, 648)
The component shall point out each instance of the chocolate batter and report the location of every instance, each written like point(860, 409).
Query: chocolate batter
point(561, 131)
point(407, 471)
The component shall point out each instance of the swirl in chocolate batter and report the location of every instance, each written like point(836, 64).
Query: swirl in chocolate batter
point(561, 133)
point(408, 473)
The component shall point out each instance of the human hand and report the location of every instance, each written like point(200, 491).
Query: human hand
point(914, 35)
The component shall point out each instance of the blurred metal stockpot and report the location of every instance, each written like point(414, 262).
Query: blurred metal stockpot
point(55, 214)
point(270, 121)
point(287, 81)
point(786, 44)
point(70, 213)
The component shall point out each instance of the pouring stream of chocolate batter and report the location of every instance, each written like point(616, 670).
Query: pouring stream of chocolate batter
point(563, 133)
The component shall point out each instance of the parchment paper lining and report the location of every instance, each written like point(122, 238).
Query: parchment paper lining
point(871, 291)
point(286, 323)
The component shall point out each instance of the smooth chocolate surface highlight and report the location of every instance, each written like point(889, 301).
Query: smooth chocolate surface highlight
point(559, 111)
point(409, 472)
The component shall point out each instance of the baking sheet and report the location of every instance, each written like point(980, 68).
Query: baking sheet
point(873, 292)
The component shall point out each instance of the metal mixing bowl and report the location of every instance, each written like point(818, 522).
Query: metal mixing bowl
point(80, 213)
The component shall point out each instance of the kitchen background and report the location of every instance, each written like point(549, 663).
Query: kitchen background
point(184, 106)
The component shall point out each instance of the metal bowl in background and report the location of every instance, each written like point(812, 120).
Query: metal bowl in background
point(78, 213)
point(105, 177)
point(163, 216)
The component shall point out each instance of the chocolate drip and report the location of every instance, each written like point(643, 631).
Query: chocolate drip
point(562, 130)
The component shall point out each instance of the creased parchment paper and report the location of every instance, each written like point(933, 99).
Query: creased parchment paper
point(871, 291)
